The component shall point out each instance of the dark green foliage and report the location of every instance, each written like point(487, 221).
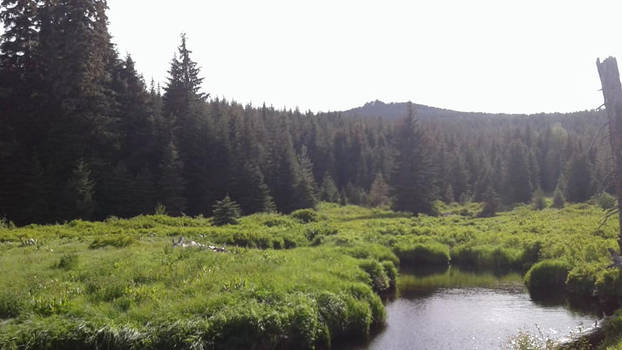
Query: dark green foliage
point(547, 277)
point(305, 215)
point(226, 212)
point(432, 254)
point(67, 98)
point(606, 201)
point(491, 204)
point(379, 193)
point(380, 281)
point(518, 175)
point(558, 199)
point(580, 179)
point(539, 202)
point(80, 190)
point(117, 241)
point(487, 257)
point(68, 262)
point(413, 177)
point(329, 191)
point(11, 304)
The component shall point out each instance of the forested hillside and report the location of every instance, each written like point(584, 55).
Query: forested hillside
point(82, 135)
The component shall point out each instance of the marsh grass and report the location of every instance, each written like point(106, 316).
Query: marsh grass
point(284, 282)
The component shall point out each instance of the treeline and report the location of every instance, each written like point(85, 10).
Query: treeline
point(83, 136)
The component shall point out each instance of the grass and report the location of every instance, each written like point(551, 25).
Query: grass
point(302, 280)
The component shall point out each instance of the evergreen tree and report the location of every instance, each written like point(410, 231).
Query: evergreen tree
point(329, 191)
point(412, 179)
point(170, 183)
point(518, 184)
point(580, 179)
point(539, 202)
point(558, 199)
point(226, 212)
point(379, 192)
point(491, 204)
point(80, 192)
point(306, 189)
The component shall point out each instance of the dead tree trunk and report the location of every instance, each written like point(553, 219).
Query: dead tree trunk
point(612, 90)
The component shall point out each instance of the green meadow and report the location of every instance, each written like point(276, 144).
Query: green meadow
point(307, 280)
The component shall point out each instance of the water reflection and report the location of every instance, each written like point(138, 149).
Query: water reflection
point(455, 309)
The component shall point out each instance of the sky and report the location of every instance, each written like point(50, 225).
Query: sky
point(525, 56)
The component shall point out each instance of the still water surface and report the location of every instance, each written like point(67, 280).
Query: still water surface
point(460, 310)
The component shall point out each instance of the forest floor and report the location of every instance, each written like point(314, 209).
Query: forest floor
point(302, 280)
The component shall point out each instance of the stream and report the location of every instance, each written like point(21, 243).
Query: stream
point(455, 309)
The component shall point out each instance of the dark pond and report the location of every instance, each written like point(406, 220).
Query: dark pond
point(461, 310)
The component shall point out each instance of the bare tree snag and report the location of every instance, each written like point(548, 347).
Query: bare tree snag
point(612, 91)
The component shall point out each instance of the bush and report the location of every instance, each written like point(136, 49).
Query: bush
point(558, 199)
point(391, 271)
point(68, 262)
point(118, 241)
point(226, 212)
point(380, 282)
point(539, 202)
point(547, 277)
point(606, 201)
point(10, 304)
point(305, 215)
point(487, 257)
point(423, 254)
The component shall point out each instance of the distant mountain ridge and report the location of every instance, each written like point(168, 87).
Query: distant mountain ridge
point(397, 110)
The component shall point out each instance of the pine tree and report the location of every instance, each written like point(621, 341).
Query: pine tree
point(170, 183)
point(412, 179)
point(80, 191)
point(558, 199)
point(539, 202)
point(329, 191)
point(518, 185)
point(226, 212)
point(580, 178)
point(182, 105)
point(379, 192)
point(306, 189)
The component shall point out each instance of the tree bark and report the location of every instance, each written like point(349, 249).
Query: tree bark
point(612, 91)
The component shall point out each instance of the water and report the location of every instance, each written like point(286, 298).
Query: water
point(460, 310)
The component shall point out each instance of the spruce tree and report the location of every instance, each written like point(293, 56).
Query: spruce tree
point(226, 212)
point(329, 191)
point(579, 178)
point(379, 192)
point(413, 176)
point(306, 189)
point(80, 190)
point(170, 182)
point(518, 185)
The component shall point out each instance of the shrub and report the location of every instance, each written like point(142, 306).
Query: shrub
point(547, 277)
point(558, 199)
point(423, 254)
point(10, 304)
point(606, 201)
point(391, 271)
point(581, 281)
point(486, 257)
point(380, 282)
point(305, 215)
point(118, 241)
point(539, 202)
point(226, 212)
point(68, 262)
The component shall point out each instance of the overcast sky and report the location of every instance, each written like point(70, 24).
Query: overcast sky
point(522, 56)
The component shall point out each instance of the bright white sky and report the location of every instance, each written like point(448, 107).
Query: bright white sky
point(511, 56)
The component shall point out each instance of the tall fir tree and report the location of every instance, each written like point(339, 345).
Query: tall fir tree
point(412, 178)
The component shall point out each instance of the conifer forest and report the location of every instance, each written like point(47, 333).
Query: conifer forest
point(290, 229)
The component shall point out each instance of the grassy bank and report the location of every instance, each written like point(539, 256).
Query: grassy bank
point(285, 281)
